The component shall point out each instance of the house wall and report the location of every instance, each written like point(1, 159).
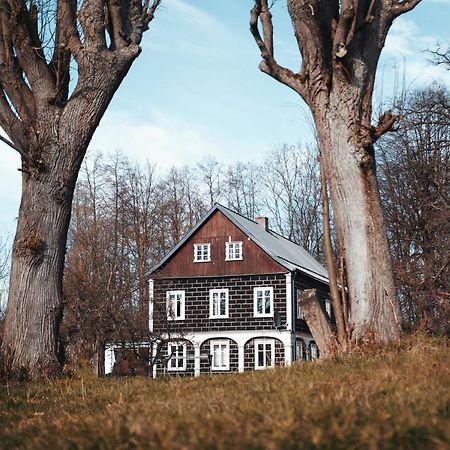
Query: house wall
point(241, 303)
point(217, 231)
point(302, 282)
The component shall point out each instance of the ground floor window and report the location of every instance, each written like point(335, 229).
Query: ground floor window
point(264, 353)
point(220, 352)
point(300, 350)
point(177, 355)
point(313, 350)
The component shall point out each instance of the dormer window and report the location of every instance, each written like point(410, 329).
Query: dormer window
point(202, 252)
point(233, 251)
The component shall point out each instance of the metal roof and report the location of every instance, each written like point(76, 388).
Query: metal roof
point(285, 252)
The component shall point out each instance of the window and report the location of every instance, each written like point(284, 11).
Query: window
point(263, 301)
point(300, 314)
point(220, 351)
point(202, 252)
point(233, 251)
point(175, 305)
point(177, 354)
point(264, 353)
point(218, 303)
point(328, 307)
point(313, 350)
point(300, 350)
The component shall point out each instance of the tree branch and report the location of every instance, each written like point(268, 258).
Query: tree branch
point(67, 40)
point(28, 46)
point(12, 82)
point(17, 149)
point(268, 65)
point(401, 7)
point(343, 28)
point(385, 123)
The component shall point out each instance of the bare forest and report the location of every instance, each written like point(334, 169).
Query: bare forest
point(126, 217)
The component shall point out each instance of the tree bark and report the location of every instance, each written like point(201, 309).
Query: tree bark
point(340, 44)
point(35, 301)
point(318, 323)
point(350, 168)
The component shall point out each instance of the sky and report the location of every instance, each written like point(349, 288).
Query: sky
point(196, 90)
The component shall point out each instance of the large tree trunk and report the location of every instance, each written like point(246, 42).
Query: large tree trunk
point(350, 170)
point(35, 299)
point(340, 43)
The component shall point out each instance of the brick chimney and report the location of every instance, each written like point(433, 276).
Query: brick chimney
point(263, 222)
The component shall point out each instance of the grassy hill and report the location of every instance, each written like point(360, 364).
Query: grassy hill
point(394, 399)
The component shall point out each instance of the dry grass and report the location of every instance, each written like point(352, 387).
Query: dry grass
point(393, 399)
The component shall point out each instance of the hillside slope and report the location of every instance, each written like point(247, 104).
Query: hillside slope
point(396, 398)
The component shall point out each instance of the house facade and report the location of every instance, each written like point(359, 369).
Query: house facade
point(228, 293)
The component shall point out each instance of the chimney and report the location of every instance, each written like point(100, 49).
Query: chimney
point(263, 222)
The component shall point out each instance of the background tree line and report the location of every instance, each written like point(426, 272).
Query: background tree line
point(126, 217)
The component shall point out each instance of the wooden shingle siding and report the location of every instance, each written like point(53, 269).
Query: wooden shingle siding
point(241, 304)
point(217, 231)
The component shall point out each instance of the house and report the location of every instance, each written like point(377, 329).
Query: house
point(228, 291)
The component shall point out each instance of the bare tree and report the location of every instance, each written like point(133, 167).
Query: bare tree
point(440, 56)
point(46, 48)
point(340, 44)
point(124, 219)
point(211, 176)
point(414, 166)
point(292, 195)
point(241, 188)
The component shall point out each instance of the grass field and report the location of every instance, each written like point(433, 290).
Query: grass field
point(391, 399)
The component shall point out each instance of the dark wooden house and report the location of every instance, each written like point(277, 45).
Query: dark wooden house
point(230, 290)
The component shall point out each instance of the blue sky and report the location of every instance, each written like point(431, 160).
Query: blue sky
point(196, 88)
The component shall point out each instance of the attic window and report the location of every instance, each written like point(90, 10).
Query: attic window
point(202, 252)
point(233, 251)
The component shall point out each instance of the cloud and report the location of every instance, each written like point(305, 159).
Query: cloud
point(164, 140)
point(194, 16)
point(404, 57)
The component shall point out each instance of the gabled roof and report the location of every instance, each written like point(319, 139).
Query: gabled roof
point(285, 252)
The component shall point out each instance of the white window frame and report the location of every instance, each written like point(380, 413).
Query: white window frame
point(204, 258)
point(223, 342)
point(211, 303)
point(328, 306)
point(255, 301)
point(177, 357)
point(264, 342)
point(171, 305)
point(230, 251)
